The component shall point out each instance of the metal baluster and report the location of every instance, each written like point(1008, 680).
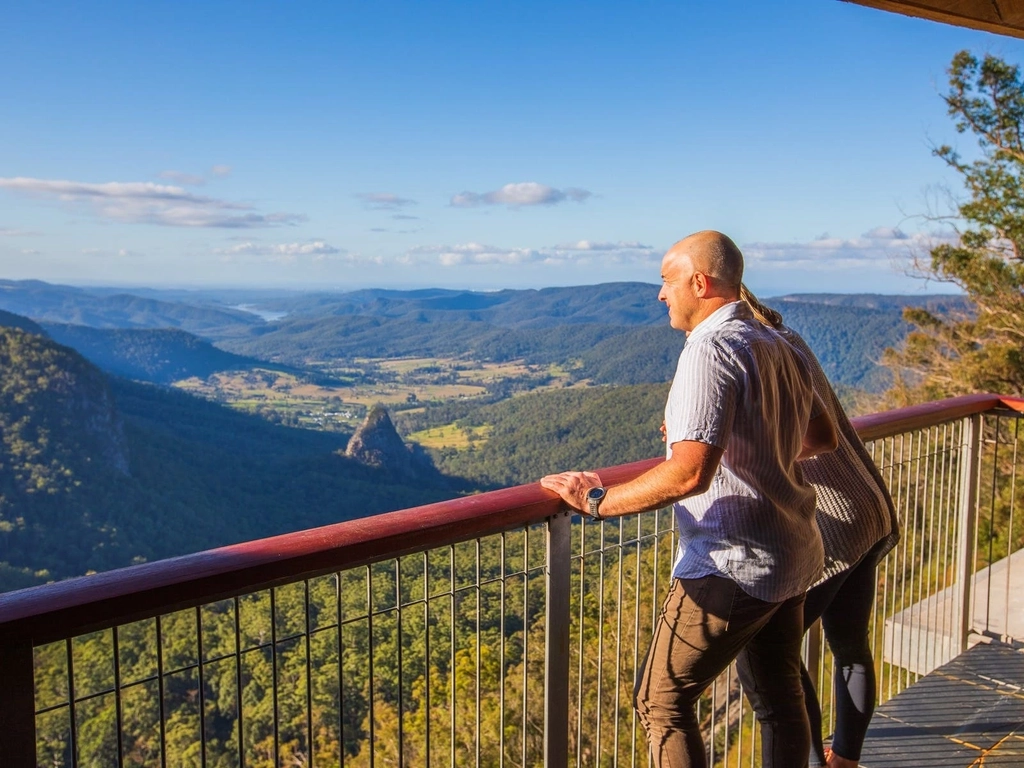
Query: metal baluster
point(273, 674)
point(556, 666)
point(968, 526)
point(1010, 532)
point(370, 665)
point(502, 665)
point(160, 689)
point(18, 707)
point(309, 676)
point(238, 682)
point(118, 714)
point(426, 649)
point(477, 714)
point(202, 691)
point(451, 652)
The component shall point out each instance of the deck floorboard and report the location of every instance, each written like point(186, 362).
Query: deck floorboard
point(969, 712)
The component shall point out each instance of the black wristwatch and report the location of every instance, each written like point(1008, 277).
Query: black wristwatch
point(594, 498)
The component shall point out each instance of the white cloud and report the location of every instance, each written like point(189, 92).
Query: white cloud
point(30, 252)
point(123, 253)
point(590, 245)
point(188, 179)
point(519, 195)
point(313, 250)
point(384, 201)
point(148, 203)
point(221, 170)
point(582, 252)
point(881, 245)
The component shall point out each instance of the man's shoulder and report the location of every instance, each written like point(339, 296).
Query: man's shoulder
point(733, 334)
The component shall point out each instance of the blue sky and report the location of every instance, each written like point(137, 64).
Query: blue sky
point(482, 145)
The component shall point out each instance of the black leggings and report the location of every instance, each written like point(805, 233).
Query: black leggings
point(843, 603)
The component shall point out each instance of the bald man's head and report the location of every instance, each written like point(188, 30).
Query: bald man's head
point(714, 254)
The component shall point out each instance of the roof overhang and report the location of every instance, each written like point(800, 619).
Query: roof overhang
point(1003, 17)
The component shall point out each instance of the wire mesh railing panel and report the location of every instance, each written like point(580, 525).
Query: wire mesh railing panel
point(435, 658)
point(914, 626)
point(997, 608)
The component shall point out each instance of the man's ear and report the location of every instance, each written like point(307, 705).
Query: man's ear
point(701, 285)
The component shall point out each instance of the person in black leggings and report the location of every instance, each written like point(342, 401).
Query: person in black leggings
point(844, 603)
point(858, 524)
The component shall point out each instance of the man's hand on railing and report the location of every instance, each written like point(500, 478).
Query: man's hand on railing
point(572, 487)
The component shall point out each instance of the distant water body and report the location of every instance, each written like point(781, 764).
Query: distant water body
point(263, 314)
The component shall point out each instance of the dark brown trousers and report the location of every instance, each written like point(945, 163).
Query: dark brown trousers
point(703, 626)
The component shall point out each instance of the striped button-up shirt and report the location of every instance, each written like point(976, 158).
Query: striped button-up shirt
point(740, 387)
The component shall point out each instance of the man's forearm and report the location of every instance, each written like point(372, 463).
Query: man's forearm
point(658, 487)
point(688, 470)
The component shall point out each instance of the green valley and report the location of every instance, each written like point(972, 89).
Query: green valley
point(142, 427)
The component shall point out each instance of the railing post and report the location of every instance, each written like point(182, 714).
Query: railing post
point(968, 526)
point(556, 646)
point(17, 706)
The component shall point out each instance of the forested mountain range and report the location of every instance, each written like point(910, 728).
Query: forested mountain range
point(848, 339)
point(157, 355)
point(99, 308)
point(97, 472)
point(617, 332)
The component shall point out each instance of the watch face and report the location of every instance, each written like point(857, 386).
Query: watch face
point(595, 494)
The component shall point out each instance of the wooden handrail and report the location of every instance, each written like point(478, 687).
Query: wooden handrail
point(899, 420)
point(87, 603)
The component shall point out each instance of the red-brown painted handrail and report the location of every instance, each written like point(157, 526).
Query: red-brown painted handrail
point(900, 420)
point(86, 603)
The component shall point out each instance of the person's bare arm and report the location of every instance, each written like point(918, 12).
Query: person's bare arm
point(688, 471)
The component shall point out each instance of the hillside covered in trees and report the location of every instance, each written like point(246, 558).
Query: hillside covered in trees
point(614, 333)
point(542, 432)
point(99, 472)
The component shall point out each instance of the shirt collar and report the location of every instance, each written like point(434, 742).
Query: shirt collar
point(735, 310)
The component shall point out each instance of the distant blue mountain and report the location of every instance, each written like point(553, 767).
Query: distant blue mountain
point(617, 332)
point(100, 308)
point(156, 355)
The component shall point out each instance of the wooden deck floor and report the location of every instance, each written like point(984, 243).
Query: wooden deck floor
point(969, 712)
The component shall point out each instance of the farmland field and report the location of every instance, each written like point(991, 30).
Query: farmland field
point(327, 401)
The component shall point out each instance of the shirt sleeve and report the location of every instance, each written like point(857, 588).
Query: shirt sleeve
point(704, 398)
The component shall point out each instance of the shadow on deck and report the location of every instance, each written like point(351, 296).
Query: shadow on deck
point(969, 712)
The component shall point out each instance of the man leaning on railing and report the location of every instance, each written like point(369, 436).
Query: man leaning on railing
point(740, 413)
